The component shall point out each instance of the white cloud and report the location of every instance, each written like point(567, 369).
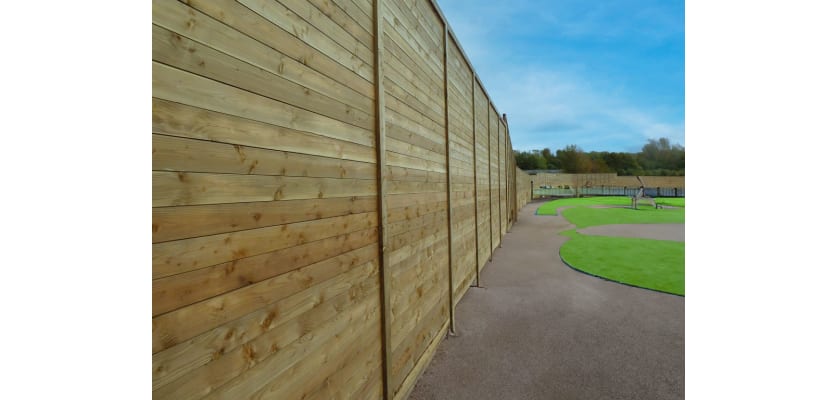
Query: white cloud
point(554, 105)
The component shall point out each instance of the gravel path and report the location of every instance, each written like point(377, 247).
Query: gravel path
point(540, 330)
point(674, 232)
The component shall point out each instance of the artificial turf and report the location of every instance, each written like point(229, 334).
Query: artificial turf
point(652, 264)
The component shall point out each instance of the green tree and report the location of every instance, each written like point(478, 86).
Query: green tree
point(659, 155)
point(622, 163)
point(528, 160)
point(551, 159)
point(572, 159)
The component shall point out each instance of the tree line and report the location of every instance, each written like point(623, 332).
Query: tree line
point(657, 158)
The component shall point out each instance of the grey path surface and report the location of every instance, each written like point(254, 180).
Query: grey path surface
point(644, 231)
point(540, 330)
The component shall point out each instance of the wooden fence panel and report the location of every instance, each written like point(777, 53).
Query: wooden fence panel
point(462, 203)
point(483, 176)
point(265, 270)
point(503, 179)
point(327, 182)
point(523, 188)
point(494, 173)
point(416, 141)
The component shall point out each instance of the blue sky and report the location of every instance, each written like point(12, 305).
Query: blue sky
point(604, 75)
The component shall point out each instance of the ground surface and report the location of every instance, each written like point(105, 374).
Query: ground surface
point(541, 330)
point(646, 263)
point(645, 247)
point(675, 232)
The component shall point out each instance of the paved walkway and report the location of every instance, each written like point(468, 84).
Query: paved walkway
point(540, 330)
point(675, 232)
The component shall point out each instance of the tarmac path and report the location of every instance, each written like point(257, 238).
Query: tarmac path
point(675, 232)
point(538, 329)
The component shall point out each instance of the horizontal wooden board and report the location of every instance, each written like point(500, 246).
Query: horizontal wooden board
point(183, 87)
point(424, 140)
point(394, 202)
point(175, 291)
point(416, 116)
point(433, 131)
point(431, 245)
point(409, 92)
point(426, 55)
point(172, 223)
point(171, 153)
point(314, 344)
point(397, 146)
point(181, 120)
point(405, 161)
point(414, 211)
point(335, 372)
point(401, 187)
point(175, 257)
point(180, 52)
point(260, 42)
point(324, 16)
point(430, 30)
point(409, 174)
point(433, 220)
point(345, 12)
point(197, 318)
point(406, 386)
point(218, 356)
point(356, 13)
point(359, 62)
point(265, 187)
point(423, 327)
point(193, 188)
point(432, 85)
point(210, 359)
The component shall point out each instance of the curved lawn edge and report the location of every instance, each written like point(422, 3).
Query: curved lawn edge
point(548, 206)
point(559, 254)
point(601, 268)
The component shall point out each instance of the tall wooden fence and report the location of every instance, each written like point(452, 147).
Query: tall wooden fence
point(329, 177)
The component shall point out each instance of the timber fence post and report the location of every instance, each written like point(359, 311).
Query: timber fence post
point(383, 254)
point(449, 191)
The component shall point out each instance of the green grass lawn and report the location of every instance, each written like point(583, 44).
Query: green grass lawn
point(652, 264)
point(583, 217)
point(551, 207)
point(671, 201)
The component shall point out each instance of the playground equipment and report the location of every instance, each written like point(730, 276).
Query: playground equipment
point(641, 196)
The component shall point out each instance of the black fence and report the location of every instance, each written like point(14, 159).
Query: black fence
point(610, 191)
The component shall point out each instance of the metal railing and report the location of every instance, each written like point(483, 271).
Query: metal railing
point(608, 191)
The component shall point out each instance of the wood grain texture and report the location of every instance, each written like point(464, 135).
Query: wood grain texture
point(328, 177)
point(182, 222)
point(175, 291)
point(179, 256)
point(178, 367)
point(280, 15)
point(171, 153)
point(176, 119)
point(183, 87)
point(261, 43)
point(180, 52)
point(194, 188)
